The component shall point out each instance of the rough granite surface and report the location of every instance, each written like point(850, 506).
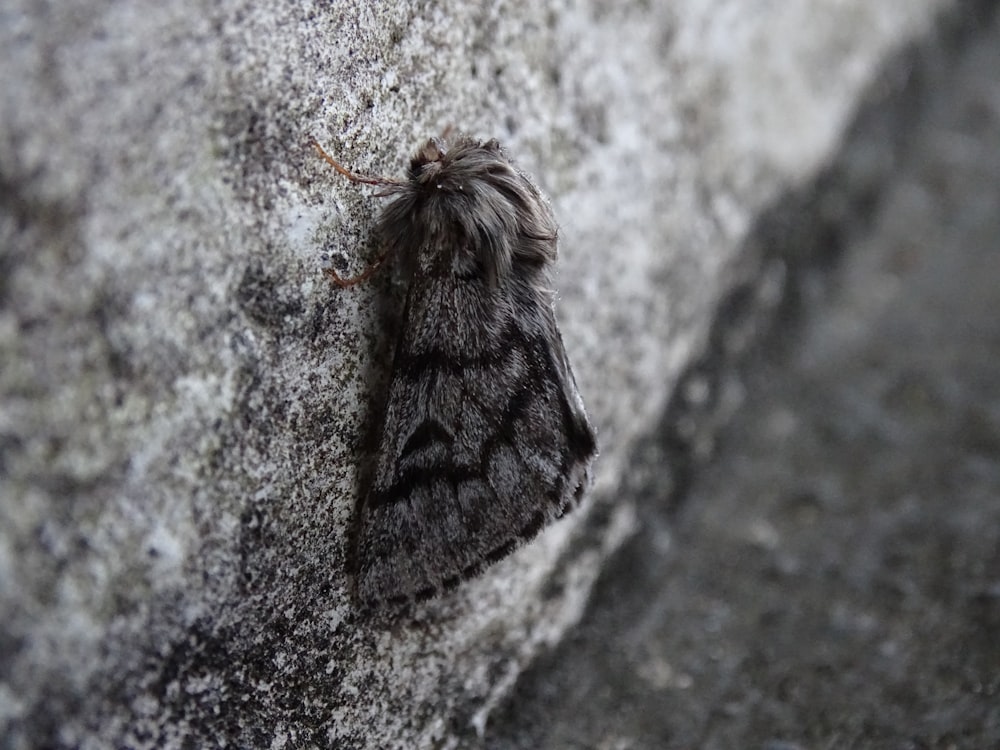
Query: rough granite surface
point(184, 398)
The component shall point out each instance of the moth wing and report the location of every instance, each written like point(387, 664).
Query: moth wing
point(484, 438)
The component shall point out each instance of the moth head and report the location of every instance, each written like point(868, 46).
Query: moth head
point(469, 198)
point(439, 166)
point(427, 163)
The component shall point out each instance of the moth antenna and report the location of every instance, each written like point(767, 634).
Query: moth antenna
point(390, 186)
point(365, 179)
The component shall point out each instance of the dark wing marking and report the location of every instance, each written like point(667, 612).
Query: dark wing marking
point(485, 439)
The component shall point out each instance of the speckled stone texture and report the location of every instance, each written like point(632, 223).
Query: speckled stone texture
point(185, 401)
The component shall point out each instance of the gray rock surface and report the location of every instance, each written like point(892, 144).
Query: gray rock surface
point(831, 578)
point(183, 398)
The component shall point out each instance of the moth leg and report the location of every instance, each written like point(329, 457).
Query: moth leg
point(343, 283)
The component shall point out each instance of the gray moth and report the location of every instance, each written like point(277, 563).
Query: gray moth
point(484, 438)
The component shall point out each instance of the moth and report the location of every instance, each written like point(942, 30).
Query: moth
point(484, 438)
